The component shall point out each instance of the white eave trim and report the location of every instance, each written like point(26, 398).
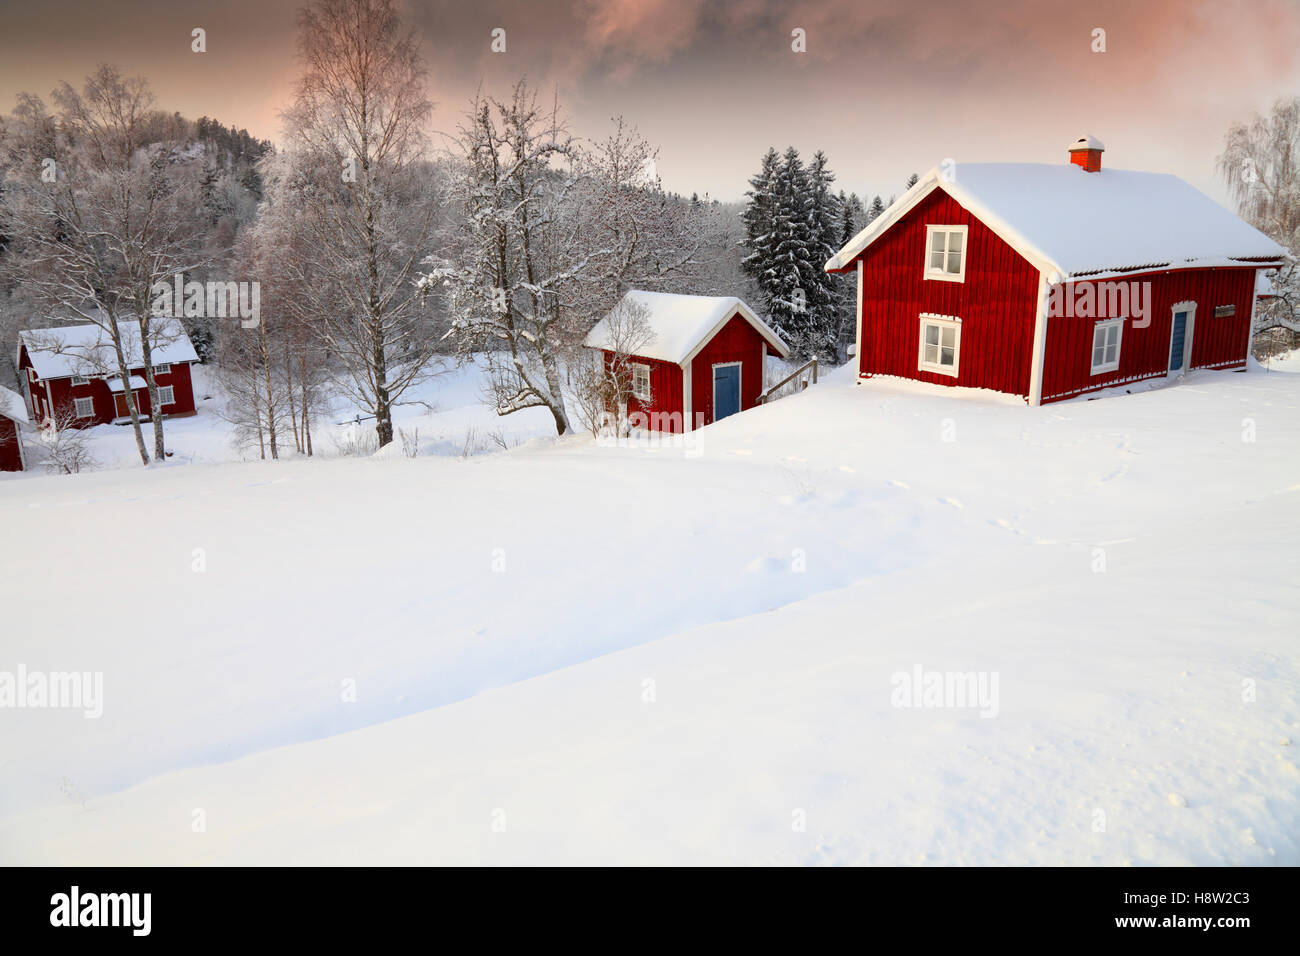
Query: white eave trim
point(761, 327)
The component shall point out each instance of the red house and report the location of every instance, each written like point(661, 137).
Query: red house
point(695, 359)
point(72, 371)
point(13, 415)
point(1050, 282)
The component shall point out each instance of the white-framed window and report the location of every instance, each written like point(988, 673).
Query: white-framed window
point(84, 407)
point(166, 395)
point(80, 380)
point(31, 374)
point(1105, 345)
point(641, 381)
point(164, 369)
point(945, 253)
point(940, 344)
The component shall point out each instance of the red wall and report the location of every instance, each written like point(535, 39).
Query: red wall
point(665, 395)
point(1144, 352)
point(735, 342)
point(996, 303)
point(62, 392)
point(11, 458)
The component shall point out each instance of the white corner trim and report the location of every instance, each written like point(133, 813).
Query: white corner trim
point(1040, 343)
point(688, 418)
point(857, 356)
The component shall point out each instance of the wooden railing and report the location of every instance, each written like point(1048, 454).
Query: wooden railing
point(796, 374)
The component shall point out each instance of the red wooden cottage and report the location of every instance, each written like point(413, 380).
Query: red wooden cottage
point(13, 416)
point(1050, 282)
point(73, 371)
point(695, 359)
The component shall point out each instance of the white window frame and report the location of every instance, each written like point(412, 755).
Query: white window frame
point(164, 369)
point(1105, 327)
point(943, 322)
point(1188, 338)
point(943, 275)
point(80, 380)
point(90, 404)
point(166, 395)
point(637, 392)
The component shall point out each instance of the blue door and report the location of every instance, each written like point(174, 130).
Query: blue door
point(1177, 341)
point(726, 391)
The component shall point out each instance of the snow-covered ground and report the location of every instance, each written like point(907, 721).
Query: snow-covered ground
point(574, 653)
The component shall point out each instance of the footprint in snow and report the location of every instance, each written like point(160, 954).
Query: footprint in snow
point(952, 501)
point(900, 484)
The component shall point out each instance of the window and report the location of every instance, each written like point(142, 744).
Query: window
point(80, 380)
point(641, 381)
point(164, 369)
point(940, 344)
point(945, 253)
point(85, 407)
point(166, 395)
point(31, 374)
point(1105, 345)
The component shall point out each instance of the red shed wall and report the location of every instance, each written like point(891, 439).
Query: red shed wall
point(664, 410)
point(11, 458)
point(996, 303)
point(1144, 352)
point(737, 341)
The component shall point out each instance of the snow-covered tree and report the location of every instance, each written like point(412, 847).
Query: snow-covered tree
point(97, 211)
point(356, 135)
point(1261, 165)
point(877, 207)
point(518, 253)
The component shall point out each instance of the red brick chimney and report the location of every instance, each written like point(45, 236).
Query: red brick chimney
point(1086, 152)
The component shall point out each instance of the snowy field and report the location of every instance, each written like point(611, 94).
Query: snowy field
point(566, 653)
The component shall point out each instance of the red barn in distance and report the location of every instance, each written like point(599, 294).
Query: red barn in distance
point(71, 372)
point(1050, 282)
point(695, 359)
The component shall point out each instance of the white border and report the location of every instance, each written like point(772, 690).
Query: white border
point(1105, 367)
point(945, 276)
point(640, 397)
point(951, 321)
point(1190, 308)
point(76, 406)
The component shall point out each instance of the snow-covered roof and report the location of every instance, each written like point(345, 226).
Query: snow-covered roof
point(1263, 285)
point(12, 405)
point(681, 325)
point(1087, 142)
point(87, 350)
point(137, 381)
point(1076, 223)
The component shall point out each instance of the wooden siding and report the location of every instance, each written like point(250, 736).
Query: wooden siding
point(1144, 352)
point(996, 303)
point(664, 410)
point(737, 341)
point(11, 455)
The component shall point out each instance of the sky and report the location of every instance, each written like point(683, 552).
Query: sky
point(884, 88)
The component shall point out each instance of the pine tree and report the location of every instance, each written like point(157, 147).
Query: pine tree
point(852, 217)
point(877, 207)
point(911, 181)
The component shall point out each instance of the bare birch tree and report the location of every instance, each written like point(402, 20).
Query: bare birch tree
point(356, 128)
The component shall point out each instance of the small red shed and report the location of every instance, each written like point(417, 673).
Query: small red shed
point(695, 359)
point(13, 416)
point(73, 370)
point(1051, 282)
